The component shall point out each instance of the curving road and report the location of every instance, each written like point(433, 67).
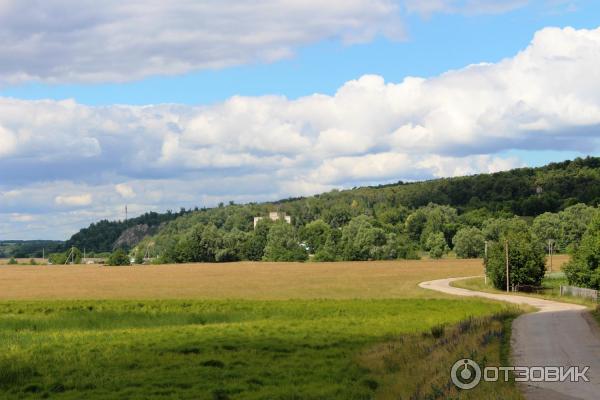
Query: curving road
point(558, 334)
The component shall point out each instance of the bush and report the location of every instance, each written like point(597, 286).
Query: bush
point(61, 258)
point(526, 260)
point(283, 244)
point(13, 261)
point(469, 243)
point(584, 268)
point(119, 257)
point(436, 244)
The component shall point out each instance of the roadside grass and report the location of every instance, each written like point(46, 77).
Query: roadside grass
point(416, 366)
point(243, 349)
point(551, 289)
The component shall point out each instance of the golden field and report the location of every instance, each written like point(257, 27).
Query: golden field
point(243, 280)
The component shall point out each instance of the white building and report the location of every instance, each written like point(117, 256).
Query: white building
point(275, 216)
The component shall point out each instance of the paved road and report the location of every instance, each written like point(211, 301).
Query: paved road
point(559, 334)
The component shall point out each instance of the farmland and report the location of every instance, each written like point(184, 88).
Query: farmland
point(241, 331)
point(243, 280)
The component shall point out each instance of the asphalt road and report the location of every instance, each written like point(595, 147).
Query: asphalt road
point(559, 334)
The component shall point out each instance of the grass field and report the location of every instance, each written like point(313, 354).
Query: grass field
point(243, 331)
point(243, 280)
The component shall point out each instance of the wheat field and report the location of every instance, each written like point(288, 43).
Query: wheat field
point(243, 280)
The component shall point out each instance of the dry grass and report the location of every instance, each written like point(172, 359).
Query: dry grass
point(243, 280)
point(558, 261)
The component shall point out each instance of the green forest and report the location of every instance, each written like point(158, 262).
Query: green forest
point(541, 207)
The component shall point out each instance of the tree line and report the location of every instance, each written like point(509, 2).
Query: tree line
point(526, 192)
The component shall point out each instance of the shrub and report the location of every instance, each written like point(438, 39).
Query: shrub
point(584, 268)
point(469, 243)
point(526, 260)
point(436, 244)
point(119, 257)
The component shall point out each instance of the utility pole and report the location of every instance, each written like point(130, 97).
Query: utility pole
point(507, 266)
point(550, 251)
point(485, 262)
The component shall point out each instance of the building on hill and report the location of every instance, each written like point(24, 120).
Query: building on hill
point(275, 216)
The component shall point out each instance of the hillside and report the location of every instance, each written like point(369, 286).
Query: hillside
point(104, 235)
point(28, 248)
point(523, 192)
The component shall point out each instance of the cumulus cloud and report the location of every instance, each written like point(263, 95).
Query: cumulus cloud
point(115, 41)
point(91, 41)
point(547, 97)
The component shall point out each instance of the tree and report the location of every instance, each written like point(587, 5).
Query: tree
point(526, 260)
point(331, 250)
point(283, 244)
point(337, 216)
point(315, 235)
point(547, 227)
point(494, 229)
point(584, 267)
point(574, 222)
point(139, 256)
point(469, 243)
point(436, 244)
point(254, 248)
point(432, 219)
point(359, 238)
point(118, 257)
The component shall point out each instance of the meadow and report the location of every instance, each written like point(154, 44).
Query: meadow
point(243, 331)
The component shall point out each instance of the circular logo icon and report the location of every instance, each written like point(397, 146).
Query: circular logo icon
point(465, 374)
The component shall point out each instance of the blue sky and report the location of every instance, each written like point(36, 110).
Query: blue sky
point(434, 44)
point(161, 106)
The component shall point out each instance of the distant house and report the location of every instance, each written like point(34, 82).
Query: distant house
point(275, 216)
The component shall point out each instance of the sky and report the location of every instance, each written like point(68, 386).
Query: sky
point(160, 105)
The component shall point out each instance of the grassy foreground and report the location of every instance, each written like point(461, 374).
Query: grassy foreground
point(321, 349)
point(296, 331)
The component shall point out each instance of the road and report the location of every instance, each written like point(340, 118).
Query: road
point(558, 334)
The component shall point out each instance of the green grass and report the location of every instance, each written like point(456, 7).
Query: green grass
point(551, 289)
point(246, 349)
point(416, 366)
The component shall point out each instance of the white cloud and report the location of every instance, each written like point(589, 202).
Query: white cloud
point(125, 190)
point(16, 217)
point(75, 200)
point(60, 41)
point(8, 142)
point(547, 97)
point(91, 41)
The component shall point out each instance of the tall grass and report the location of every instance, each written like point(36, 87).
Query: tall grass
point(303, 349)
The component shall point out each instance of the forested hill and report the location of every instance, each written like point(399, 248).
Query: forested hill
point(524, 192)
point(104, 235)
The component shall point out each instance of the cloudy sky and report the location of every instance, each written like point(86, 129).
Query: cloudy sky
point(160, 105)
